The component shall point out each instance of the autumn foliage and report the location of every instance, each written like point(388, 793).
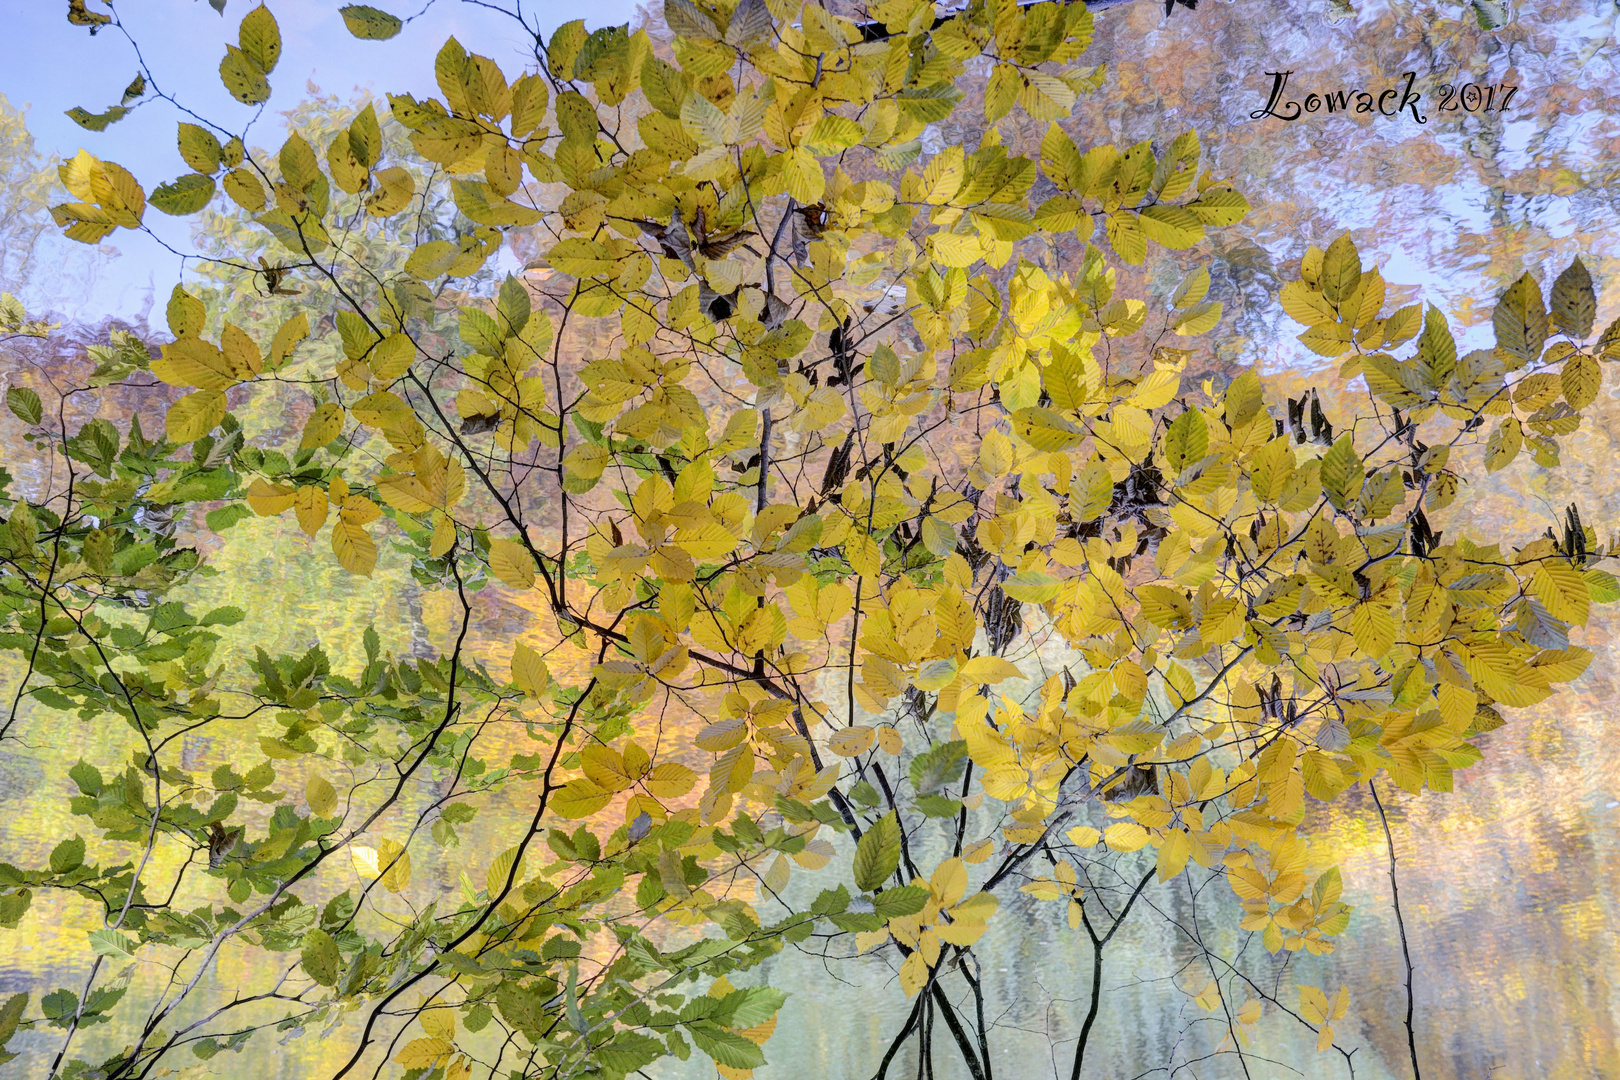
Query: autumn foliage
point(883, 559)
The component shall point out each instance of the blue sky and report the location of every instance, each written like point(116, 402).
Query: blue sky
point(61, 66)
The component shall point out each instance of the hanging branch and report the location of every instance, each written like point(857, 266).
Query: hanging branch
point(877, 31)
point(1098, 943)
point(1406, 950)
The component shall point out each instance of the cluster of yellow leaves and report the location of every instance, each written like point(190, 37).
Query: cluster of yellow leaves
point(1318, 1008)
point(190, 361)
point(608, 771)
point(437, 1048)
point(1547, 342)
point(752, 726)
point(949, 917)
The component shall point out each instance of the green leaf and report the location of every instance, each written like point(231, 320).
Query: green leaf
point(938, 536)
point(1193, 289)
point(59, 1004)
point(187, 195)
point(1187, 440)
point(1437, 349)
point(1574, 304)
point(243, 78)
point(878, 854)
point(10, 1015)
point(1173, 227)
point(831, 135)
point(109, 942)
point(1244, 399)
point(96, 121)
point(937, 766)
point(687, 20)
point(195, 415)
point(260, 38)
point(225, 516)
point(1341, 269)
point(726, 1047)
point(901, 901)
point(1045, 429)
point(1504, 444)
point(320, 957)
point(480, 331)
point(68, 855)
point(432, 259)
point(87, 778)
point(523, 1007)
point(1126, 235)
point(1342, 472)
point(1521, 320)
point(13, 906)
point(513, 306)
point(199, 148)
point(369, 23)
point(629, 1052)
point(752, 1006)
point(25, 405)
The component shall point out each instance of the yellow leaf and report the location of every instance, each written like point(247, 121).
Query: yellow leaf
point(579, 798)
point(195, 415)
point(989, 669)
point(511, 563)
point(320, 795)
point(423, 1053)
point(439, 1023)
point(1083, 836)
point(393, 193)
point(722, 735)
point(889, 739)
point(804, 177)
point(1313, 1004)
point(365, 861)
point(444, 536)
point(1125, 836)
point(852, 740)
point(500, 870)
point(245, 190)
point(913, 974)
point(267, 499)
point(1562, 590)
point(395, 863)
point(1173, 854)
point(391, 357)
point(670, 780)
point(1504, 444)
point(292, 331)
point(355, 550)
point(529, 672)
point(1306, 305)
point(309, 502)
point(323, 425)
point(948, 881)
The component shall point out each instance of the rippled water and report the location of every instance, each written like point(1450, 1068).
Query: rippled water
point(1508, 884)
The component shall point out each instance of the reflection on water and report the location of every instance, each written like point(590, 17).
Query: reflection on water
point(1506, 884)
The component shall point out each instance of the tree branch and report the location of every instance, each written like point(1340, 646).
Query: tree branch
point(1400, 922)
